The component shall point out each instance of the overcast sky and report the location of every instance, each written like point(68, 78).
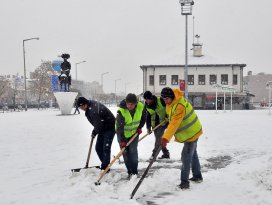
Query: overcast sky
point(117, 36)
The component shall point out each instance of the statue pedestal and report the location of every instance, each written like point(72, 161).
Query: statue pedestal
point(66, 101)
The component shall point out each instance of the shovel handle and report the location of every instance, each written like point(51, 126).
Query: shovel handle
point(152, 130)
point(89, 153)
point(117, 157)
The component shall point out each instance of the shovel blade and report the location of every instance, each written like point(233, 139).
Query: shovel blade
point(97, 183)
point(78, 169)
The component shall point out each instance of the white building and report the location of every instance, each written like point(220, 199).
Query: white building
point(203, 73)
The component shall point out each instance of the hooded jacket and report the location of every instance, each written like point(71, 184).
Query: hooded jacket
point(100, 117)
point(176, 118)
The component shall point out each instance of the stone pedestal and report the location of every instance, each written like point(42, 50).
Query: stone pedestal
point(66, 101)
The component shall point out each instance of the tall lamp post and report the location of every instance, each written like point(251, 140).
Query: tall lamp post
point(76, 66)
point(115, 89)
point(37, 38)
point(102, 75)
point(186, 9)
point(269, 87)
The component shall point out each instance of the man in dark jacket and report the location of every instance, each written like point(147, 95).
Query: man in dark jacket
point(156, 114)
point(103, 122)
point(131, 117)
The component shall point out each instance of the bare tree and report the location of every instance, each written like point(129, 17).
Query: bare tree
point(41, 82)
point(4, 87)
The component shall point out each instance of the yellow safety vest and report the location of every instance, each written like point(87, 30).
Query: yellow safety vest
point(131, 125)
point(160, 111)
point(190, 124)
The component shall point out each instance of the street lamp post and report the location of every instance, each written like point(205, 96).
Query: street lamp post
point(76, 66)
point(186, 9)
point(115, 89)
point(269, 87)
point(102, 74)
point(37, 38)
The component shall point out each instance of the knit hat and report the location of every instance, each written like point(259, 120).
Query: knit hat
point(167, 93)
point(82, 101)
point(131, 98)
point(148, 95)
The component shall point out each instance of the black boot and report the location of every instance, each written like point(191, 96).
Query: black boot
point(196, 179)
point(165, 155)
point(130, 175)
point(184, 185)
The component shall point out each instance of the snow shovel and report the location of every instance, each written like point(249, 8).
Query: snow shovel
point(88, 159)
point(152, 130)
point(145, 173)
point(117, 157)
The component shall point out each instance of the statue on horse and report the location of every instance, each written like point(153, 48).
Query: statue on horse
point(65, 77)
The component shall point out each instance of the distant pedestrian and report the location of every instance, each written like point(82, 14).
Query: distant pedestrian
point(76, 107)
point(186, 127)
point(156, 114)
point(131, 117)
point(103, 122)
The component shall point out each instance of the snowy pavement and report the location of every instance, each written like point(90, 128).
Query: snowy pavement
point(39, 148)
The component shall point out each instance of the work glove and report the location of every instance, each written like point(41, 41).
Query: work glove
point(149, 131)
point(139, 131)
point(163, 143)
point(123, 143)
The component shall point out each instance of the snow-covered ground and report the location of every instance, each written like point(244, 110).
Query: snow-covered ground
point(38, 149)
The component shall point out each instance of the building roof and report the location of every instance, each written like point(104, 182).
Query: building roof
point(203, 61)
point(192, 65)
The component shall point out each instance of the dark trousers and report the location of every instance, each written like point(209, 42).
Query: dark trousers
point(130, 156)
point(76, 110)
point(158, 135)
point(103, 147)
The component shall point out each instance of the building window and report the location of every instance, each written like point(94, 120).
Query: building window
point(174, 79)
point(213, 79)
point(162, 79)
point(235, 79)
point(151, 80)
point(201, 79)
point(224, 79)
point(191, 80)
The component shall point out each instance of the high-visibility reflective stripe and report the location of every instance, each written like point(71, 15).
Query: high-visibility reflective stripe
point(187, 116)
point(129, 130)
point(160, 111)
point(190, 124)
point(187, 126)
point(132, 123)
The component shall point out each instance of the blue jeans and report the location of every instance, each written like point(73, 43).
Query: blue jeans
point(130, 155)
point(189, 159)
point(103, 147)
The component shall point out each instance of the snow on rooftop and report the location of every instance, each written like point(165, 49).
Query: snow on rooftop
point(178, 58)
